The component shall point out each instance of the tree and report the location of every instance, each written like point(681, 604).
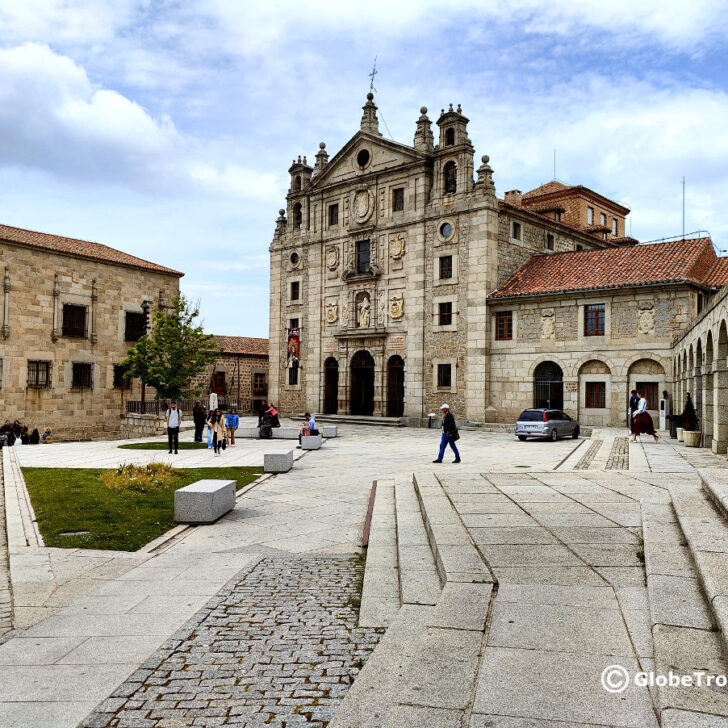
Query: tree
point(173, 352)
point(689, 417)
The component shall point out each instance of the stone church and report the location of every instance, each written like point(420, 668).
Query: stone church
point(399, 280)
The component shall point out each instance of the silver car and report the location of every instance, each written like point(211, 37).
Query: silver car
point(550, 423)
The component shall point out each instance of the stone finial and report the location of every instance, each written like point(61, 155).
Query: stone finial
point(281, 223)
point(485, 178)
point(424, 139)
point(460, 109)
point(322, 159)
point(369, 120)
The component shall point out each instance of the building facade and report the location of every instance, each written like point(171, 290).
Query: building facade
point(70, 311)
point(394, 271)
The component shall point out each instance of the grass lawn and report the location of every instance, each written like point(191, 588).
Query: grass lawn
point(162, 446)
point(73, 499)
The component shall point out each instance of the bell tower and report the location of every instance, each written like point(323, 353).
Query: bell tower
point(453, 155)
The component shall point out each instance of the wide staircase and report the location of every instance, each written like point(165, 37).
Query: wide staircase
point(686, 561)
point(360, 420)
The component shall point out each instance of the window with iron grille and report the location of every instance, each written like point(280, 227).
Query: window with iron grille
point(398, 199)
point(39, 374)
point(260, 388)
point(649, 390)
point(594, 319)
point(334, 214)
point(121, 377)
point(444, 375)
point(362, 256)
point(504, 325)
point(293, 375)
point(295, 290)
point(445, 266)
point(74, 320)
point(596, 395)
point(445, 313)
point(134, 328)
point(81, 375)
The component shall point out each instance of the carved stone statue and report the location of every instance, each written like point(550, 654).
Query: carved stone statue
point(363, 313)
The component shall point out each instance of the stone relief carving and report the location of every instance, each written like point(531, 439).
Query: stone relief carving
point(646, 318)
point(362, 204)
point(345, 312)
point(548, 324)
point(381, 310)
point(396, 307)
point(363, 312)
point(397, 243)
point(332, 257)
point(332, 312)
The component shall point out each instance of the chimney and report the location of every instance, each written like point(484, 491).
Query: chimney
point(514, 197)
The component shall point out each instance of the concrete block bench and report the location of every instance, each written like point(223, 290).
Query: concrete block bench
point(278, 461)
point(204, 501)
point(311, 442)
point(329, 431)
point(279, 433)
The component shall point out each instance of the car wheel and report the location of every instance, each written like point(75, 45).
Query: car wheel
point(575, 434)
point(522, 438)
point(554, 435)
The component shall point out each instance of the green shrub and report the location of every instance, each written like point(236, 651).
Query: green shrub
point(135, 479)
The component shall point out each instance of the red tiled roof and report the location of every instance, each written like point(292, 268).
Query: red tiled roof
point(546, 189)
point(80, 248)
point(558, 190)
point(243, 345)
point(682, 261)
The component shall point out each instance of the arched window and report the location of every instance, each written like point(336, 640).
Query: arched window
point(450, 174)
point(297, 216)
point(297, 183)
point(449, 137)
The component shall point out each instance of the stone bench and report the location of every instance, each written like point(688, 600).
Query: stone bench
point(204, 501)
point(279, 433)
point(311, 442)
point(329, 431)
point(278, 461)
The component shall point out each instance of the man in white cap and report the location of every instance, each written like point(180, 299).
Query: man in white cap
point(449, 434)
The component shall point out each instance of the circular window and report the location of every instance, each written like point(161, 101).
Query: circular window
point(362, 159)
point(294, 258)
point(446, 230)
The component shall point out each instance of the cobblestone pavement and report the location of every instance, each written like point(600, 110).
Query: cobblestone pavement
point(5, 598)
point(588, 456)
point(279, 647)
point(619, 455)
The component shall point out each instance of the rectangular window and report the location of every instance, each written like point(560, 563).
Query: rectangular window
point(294, 323)
point(445, 267)
point(39, 374)
point(558, 217)
point(596, 395)
point(445, 313)
point(121, 378)
point(614, 226)
point(295, 290)
point(333, 214)
point(602, 219)
point(74, 320)
point(649, 390)
point(594, 315)
point(579, 248)
point(550, 242)
point(589, 215)
point(260, 388)
point(362, 256)
point(516, 231)
point(398, 199)
point(293, 375)
point(81, 375)
point(444, 375)
point(134, 328)
point(504, 325)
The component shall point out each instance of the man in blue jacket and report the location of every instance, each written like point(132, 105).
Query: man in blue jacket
point(231, 424)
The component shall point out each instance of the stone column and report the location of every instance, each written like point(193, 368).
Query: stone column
point(92, 313)
point(707, 424)
point(720, 407)
point(56, 332)
point(697, 386)
point(571, 396)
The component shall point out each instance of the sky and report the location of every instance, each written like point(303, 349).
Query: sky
point(166, 128)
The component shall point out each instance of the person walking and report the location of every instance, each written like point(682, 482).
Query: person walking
point(174, 420)
point(642, 421)
point(216, 423)
point(634, 400)
point(232, 421)
point(199, 418)
point(449, 434)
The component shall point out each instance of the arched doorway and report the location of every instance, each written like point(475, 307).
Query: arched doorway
point(362, 384)
point(548, 386)
point(331, 386)
point(395, 386)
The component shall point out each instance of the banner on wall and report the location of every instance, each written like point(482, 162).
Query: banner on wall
point(294, 347)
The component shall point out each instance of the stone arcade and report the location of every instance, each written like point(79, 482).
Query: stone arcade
point(399, 280)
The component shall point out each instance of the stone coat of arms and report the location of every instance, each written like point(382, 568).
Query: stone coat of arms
point(396, 307)
point(332, 313)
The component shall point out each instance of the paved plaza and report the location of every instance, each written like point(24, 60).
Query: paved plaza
point(252, 620)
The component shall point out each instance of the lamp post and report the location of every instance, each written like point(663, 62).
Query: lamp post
point(145, 308)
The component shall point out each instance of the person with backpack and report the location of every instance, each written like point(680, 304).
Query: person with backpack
point(449, 434)
point(174, 420)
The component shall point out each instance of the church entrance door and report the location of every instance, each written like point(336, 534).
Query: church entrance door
point(395, 386)
point(362, 384)
point(331, 386)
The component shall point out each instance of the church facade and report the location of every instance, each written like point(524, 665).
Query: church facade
point(399, 280)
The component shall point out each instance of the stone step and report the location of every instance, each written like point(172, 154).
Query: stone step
point(682, 625)
point(418, 579)
point(380, 598)
point(360, 420)
point(715, 484)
